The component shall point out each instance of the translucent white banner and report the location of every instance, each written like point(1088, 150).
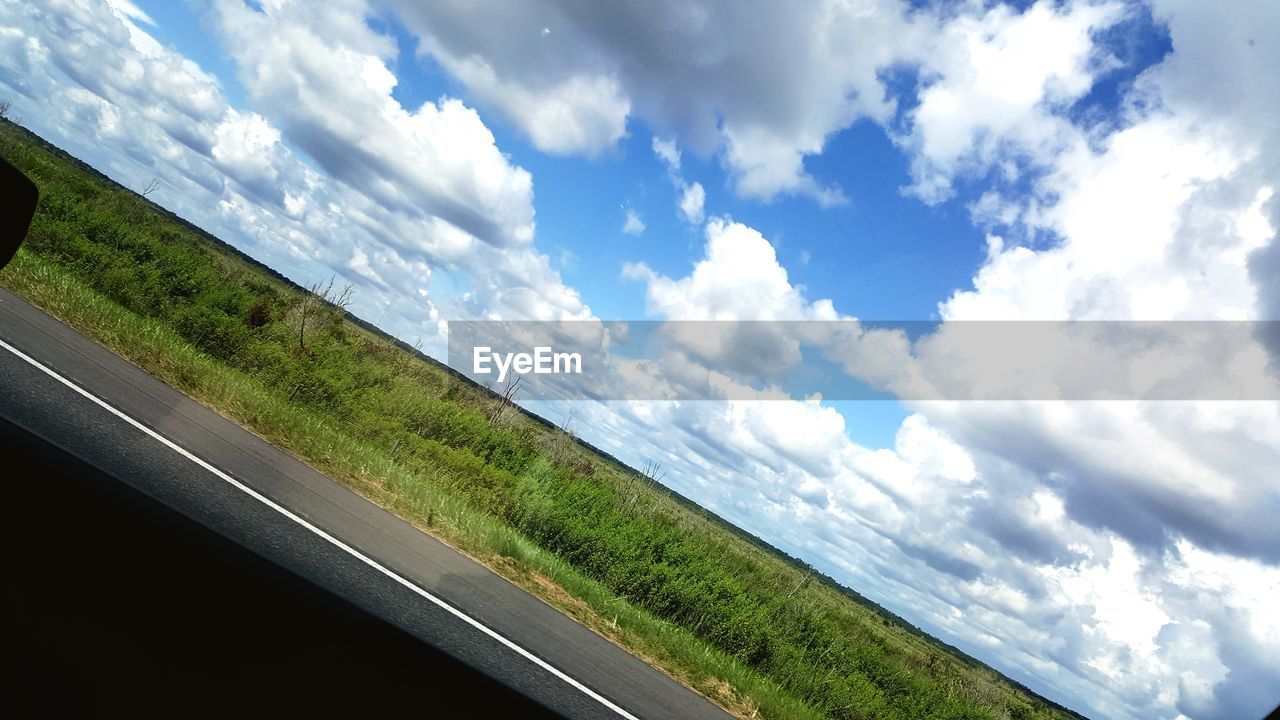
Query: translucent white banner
point(860, 360)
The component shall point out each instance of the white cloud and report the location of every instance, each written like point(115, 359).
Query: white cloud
point(766, 89)
point(246, 147)
point(765, 165)
point(691, 202)
point(1125, 248)
point(740, 278)
point(580, 114)
point(427, 183)
point(130, 11)
point(995, 84)
point(111, 94)
point(765, 85)
point(632, 224)
point(1054, 530)
point(668, 153)
point(334, 99)
point(692, 199)
point(1164, 218)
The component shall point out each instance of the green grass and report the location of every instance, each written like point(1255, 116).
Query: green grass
point(744, 625)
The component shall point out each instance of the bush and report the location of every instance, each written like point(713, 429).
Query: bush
point(212, 331)
point(259, 315)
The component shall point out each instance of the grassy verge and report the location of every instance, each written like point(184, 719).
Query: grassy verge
point(757, 632)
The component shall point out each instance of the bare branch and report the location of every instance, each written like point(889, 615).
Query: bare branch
point(316, 293)
point(344, 297)
point(634, 484)
point(506, 399)
point(151, 187)
point(566, 427)
point(653, 470)
point(305, 309)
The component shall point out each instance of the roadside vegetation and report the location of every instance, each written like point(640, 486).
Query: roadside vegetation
point(757, 632)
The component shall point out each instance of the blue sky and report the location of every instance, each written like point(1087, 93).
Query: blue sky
point(881, 255)
point(974, 160)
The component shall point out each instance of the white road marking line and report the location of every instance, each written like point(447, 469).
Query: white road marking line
point(336, 542)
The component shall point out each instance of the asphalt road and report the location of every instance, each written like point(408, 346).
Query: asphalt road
point(137, 431)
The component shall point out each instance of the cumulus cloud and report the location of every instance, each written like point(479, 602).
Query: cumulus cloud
point(1156, 222)
point(246, 147)
point(331, 90)
point(1056, 536)
point(427, 183)
point(739, 278)
point(580, 114)
point(995, 86)
point(1168, 217)
point(764, 86)
point(386, 197)
point(1045, 537)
